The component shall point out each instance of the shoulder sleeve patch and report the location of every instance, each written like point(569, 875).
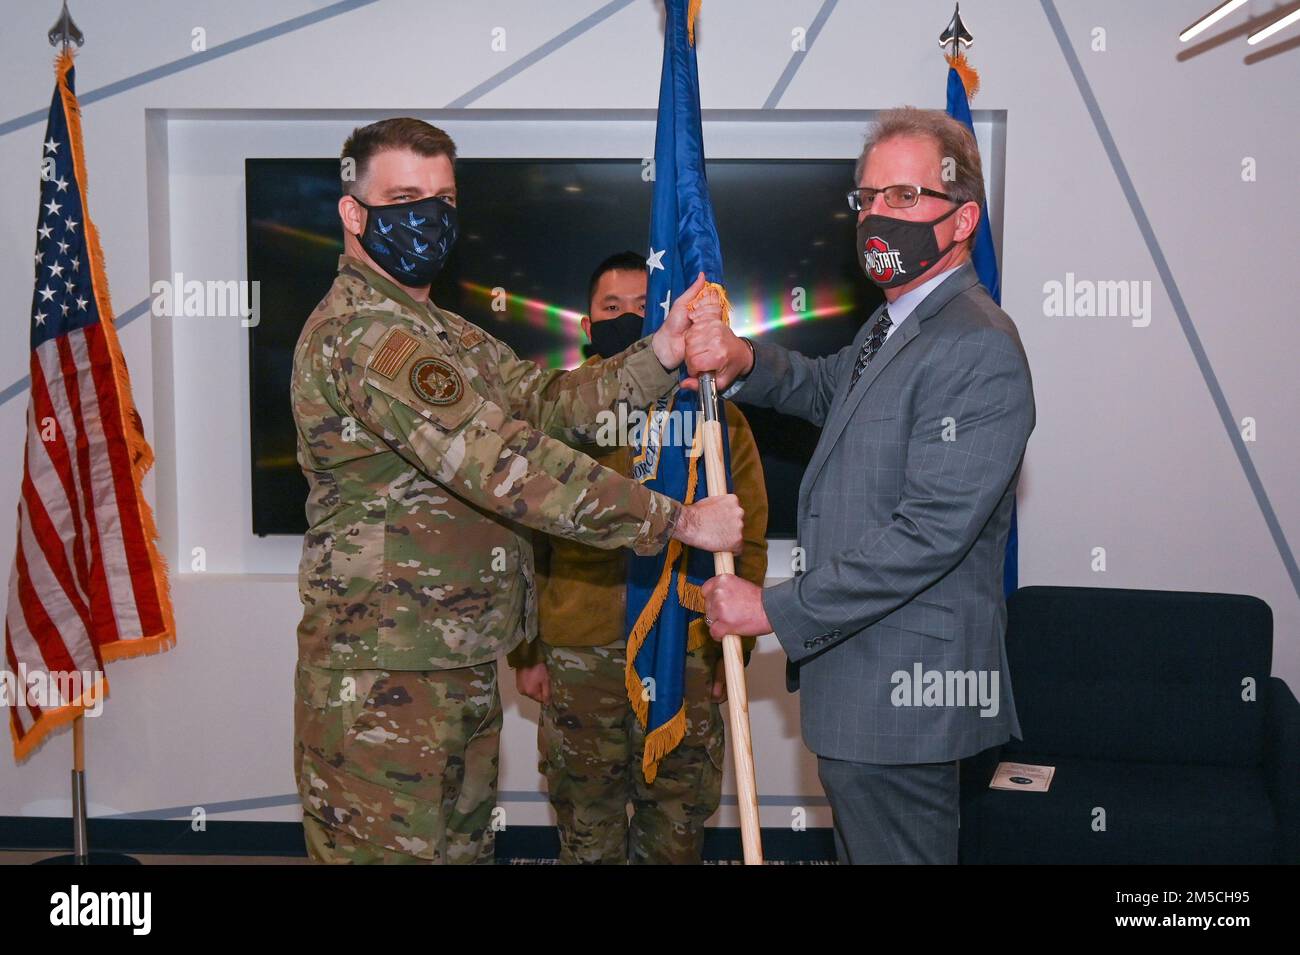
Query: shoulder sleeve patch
point(471, 337)
point(436, 381)
point(388, 359)
point(429, 384)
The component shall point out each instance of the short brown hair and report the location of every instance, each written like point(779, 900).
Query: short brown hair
point(954, 139)
point(399, 132)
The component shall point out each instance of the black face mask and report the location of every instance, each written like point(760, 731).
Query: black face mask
point(609, 336)
point(897, 251)
point(410, 240)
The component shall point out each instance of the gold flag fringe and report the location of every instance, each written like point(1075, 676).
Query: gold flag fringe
point(692, 12)
point(697, 635)
point(970, 77)
point(53, 720)
point(662, 740)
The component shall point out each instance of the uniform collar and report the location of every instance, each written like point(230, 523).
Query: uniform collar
point(382, 283)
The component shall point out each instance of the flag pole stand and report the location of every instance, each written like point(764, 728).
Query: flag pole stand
point(742, 748)
point(81, 854)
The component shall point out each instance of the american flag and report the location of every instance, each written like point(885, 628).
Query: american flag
point(87, 584)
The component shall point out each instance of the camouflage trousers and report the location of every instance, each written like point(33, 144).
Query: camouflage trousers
point(397, 766)
point(591, 742)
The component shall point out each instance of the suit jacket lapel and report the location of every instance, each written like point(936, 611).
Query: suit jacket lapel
point(846, 401)
point(823, 446)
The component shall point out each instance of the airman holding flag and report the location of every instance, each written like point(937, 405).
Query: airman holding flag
point(430, 451)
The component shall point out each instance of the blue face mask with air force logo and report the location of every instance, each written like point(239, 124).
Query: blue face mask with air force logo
point(410, 240)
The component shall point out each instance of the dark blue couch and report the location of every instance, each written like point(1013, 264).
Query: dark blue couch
point(1138, 698)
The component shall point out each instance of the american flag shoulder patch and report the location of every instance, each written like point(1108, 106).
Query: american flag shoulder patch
point(392, 353)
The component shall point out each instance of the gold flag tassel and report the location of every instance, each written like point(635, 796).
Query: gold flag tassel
point(970, 77)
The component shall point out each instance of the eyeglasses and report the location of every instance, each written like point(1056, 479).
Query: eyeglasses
point(896, 197)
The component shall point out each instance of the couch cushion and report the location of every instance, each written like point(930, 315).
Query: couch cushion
point(1154, 813)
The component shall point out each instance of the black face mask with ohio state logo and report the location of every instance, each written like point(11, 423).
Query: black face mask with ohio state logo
point(897, 251)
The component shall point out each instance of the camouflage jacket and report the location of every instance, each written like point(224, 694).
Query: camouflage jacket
point(582, 592)
point(430, 449)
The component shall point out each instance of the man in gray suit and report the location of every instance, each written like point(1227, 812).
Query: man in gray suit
point(894, 620)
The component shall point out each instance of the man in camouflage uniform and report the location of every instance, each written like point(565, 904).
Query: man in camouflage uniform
point(589, 738)
point(430, 449)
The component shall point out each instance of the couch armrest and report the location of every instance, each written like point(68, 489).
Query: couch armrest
point(1282, 765)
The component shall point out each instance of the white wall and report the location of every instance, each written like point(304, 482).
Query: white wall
point(1130, 453)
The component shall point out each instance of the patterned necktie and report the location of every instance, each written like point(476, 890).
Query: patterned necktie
point(872, 345)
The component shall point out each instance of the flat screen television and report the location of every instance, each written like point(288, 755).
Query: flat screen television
point(536, 228)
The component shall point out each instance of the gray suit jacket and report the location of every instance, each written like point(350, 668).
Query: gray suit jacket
point(897, 620)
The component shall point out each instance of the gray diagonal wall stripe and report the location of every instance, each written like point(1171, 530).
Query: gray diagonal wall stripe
point(194, 59)
point(1171, 289)
point(534, 56)
point(798, 56)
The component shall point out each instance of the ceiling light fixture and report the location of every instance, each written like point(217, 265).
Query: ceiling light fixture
point(1210, 19)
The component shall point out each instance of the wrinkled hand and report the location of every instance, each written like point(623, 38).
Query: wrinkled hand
point(670, 340)
point(715, 524)
point(711, 345)
point(734, 606)
point(534, 682)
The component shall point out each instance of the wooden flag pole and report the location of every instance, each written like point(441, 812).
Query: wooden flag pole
point(81, 854)
point(742, 748)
